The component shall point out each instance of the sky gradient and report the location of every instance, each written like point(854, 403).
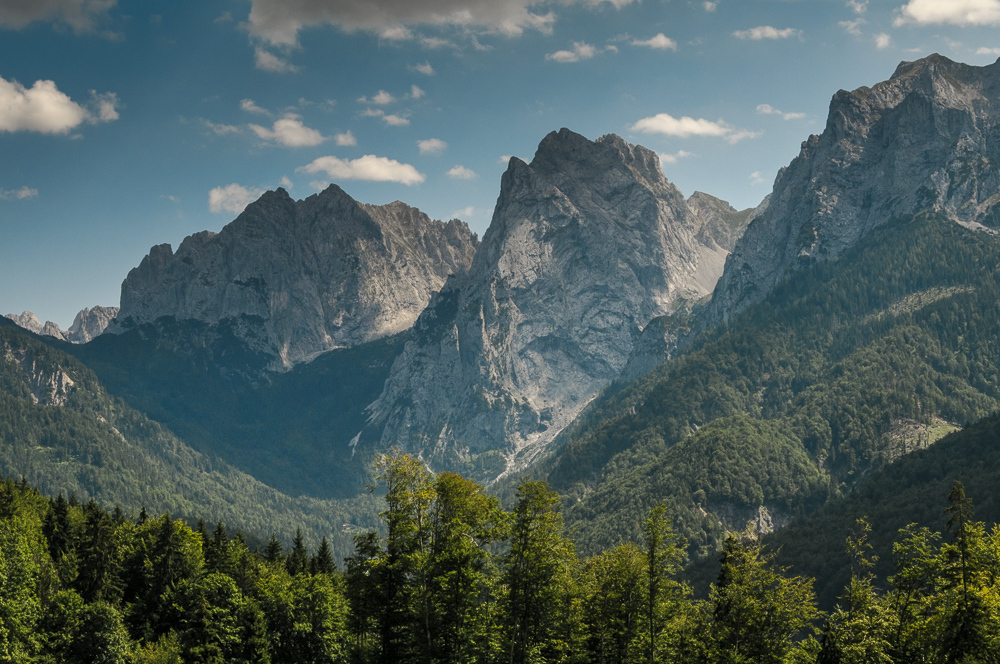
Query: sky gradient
point(132, 123)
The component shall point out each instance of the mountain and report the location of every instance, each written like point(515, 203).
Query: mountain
point(588, 243)
point(292, 279)
point(88, 324)
point(63, 432)
point(922, 140)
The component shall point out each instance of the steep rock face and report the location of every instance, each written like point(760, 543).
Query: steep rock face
point(90, 323)
point(925, 139)
point(588, 243)
point(296, 278)
point(30, 322)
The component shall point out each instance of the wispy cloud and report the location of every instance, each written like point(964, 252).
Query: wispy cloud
point(684, 127)
point(83, 16)
point(666, 158)
point(17, 194)
point(391, 119)
point(424, 69)
point(767, 32)
point(267, 61)
point(581, 51)
point(249, 106)
point(757, 178)
point(988, 51)
point(432, 146)
point(221, 129)
point(710, 6)
point(767, 109)
point(346, 139)
point(368, 167)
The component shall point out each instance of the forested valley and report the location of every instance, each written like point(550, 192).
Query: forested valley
point(451, 576)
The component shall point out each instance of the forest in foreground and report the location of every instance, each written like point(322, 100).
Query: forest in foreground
point(451, 576)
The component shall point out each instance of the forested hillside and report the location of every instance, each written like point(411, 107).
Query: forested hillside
point(62, 431)
point(841, 370)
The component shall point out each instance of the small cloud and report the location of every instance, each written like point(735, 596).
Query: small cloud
point(232, 198)
point(684, 127)
point(432, 146)
point(666, 158)
point(249, 106)
point(710, 6)
point(416, 93)
point(882, 41)
point(767, 32)
point(757, 178)
point(988, 51)
point(286, 182)
point(224, 17)
point(380, 99)
point(581, 51)
point(392, 120)
point(435, 43)
point(464, 212)
point(172, 199)
point(660, 41)
point(368, 167)
point(17, 194)
point(396, 33)
point(345, 140)
point(289, 132)
point(504, 159)
point(858, 6)
point(459, 172)
point(45, 109)
point(767, 109)
point(267, 61)
point(963, 13)
point(853, 27)
point(221, 129)
point(424, 69)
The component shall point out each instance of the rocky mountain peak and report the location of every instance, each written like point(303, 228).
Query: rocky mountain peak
point(296, 278)
point(87, 324)
point(922, 140)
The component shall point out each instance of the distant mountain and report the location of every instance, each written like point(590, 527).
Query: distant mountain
point(588, 243)
point(88, 324)
point(922, 140)
point(292, 279)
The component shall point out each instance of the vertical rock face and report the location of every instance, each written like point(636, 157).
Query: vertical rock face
point(90, 323)
point(588, 243)
point(296, 278)
point(925, 139)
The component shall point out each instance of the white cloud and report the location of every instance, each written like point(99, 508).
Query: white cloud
point(346, 139)
point(396, 33)
point(416, 93)
point(424, 69)
point(853, 27)
point(278, 22)
point(459, 172)
point(767, 32)
point(767, 109)
point(882, 41)
point(17, 194)
point(267, 61)
point(988, 51)
point(383, 98)
point(858, 6)
point(435, 43)
point(432, 146)
point(286, 182)
point(290, 132)
point(504, 159)
point(45, 109)
point(757, 178)
point(392, 120)
point(81, 15)
point(368, 167)
point(666, 158)
point(581, 51)
point(660, 41)
point(684, 127)
point(249, 106)
point(221, 129)
point(232, 198)
point(710, 6)
point(954, 12)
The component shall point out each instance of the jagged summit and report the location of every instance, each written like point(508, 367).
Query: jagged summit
point(588, 243)
point(922, 140)
point(296, 278)
point(87, 324)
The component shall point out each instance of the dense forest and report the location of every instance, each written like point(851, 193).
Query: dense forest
point(451, 576)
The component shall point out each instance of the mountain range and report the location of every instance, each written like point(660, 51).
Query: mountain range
point(626, 343)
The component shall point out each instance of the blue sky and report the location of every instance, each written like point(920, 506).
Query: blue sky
point(128, 123)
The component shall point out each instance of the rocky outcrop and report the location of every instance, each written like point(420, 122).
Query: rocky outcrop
point(30, 322)
point(296, 278)
point(90, 323)
point(923, 140)
point(588, 243)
